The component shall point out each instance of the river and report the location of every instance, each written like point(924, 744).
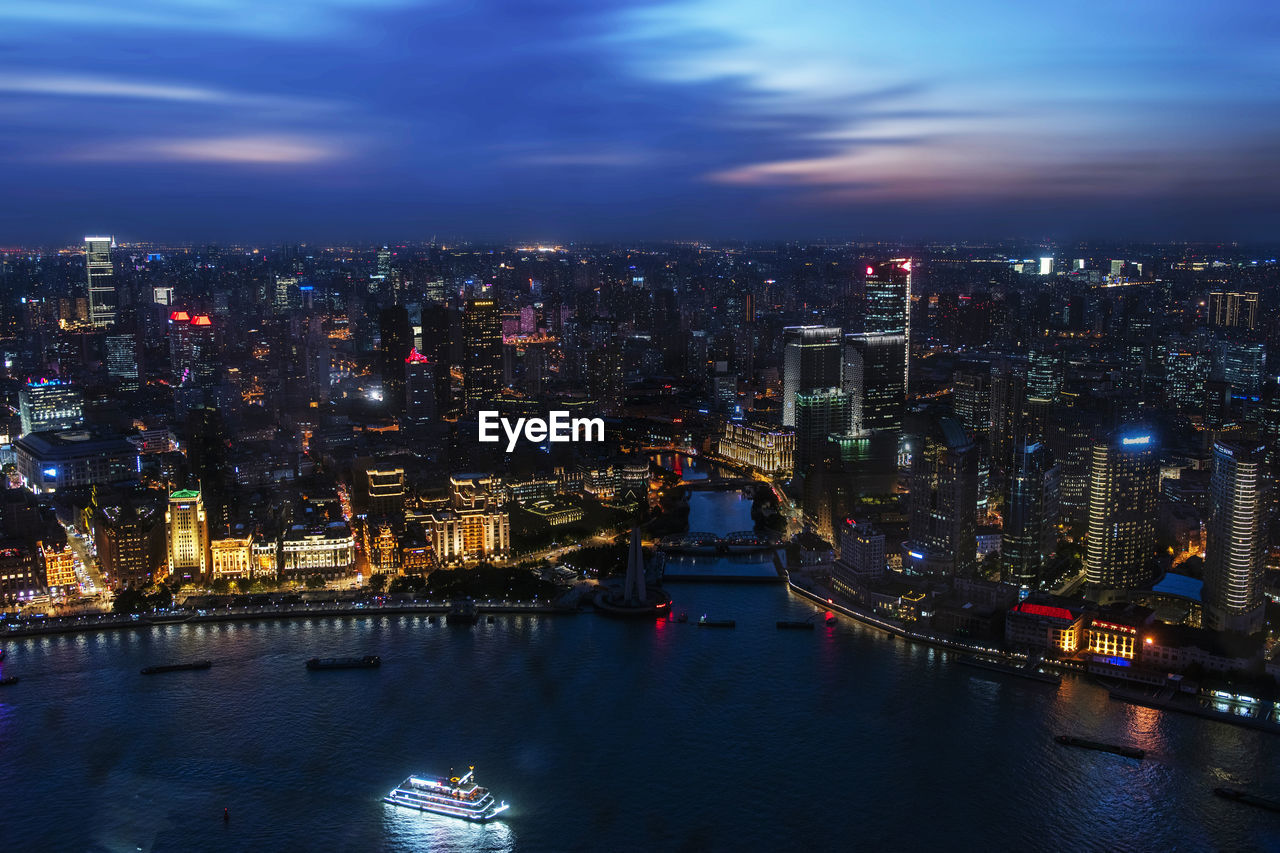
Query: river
point(603, 734)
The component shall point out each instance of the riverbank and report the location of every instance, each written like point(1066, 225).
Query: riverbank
point(117, 622)
point(897, 631)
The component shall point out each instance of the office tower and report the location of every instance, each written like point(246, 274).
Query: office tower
point(1124, 477)
point(188, 535)
point(206, 443)
point(971, 399)
point(1243, 365)
point(818, 415)
point(874, 366)
point(395, 344)
point(944, 497)
point(193, 357)
point(810, 362)
point(1269, 433)
point(1008, 397)
point(49, 404)
point(1235, 548)
point(1044, 371)
point(1185, 371)
point(888, 294)
point(121, 356)
point(421, 405)
point(482, 352)
point(100, 277)
point(1231, 310)
point(1030, 534)
point(1070, 436)
point(436, 336)
point(604, 376)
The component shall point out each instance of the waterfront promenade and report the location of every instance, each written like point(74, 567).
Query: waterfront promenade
point(16, 628)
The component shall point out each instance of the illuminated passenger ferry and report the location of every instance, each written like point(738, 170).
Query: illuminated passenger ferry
point(456, 796)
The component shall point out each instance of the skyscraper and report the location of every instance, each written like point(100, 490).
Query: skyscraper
point(1228, 309)
point(874, 366)
point(482, 352)
point(944, 498)
point(48, 404)
point(810, 362)
point(818, 415)
point(1030, 534)
point(121, 356)
point(1234, 565)
point(889, 306)
point(100, 276)
point(395, 344)
point(1120, 540)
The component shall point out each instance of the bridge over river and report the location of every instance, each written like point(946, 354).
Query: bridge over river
point(738, 542)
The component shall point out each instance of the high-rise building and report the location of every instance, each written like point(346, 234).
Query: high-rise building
point(1120, 541)
point(188, 535)
point(421, 406)
point(1185, 372)
point(1234, 565)
point(1044, 371)
point(874, 366)
point(971, 399)
point(944, 498)
point(393, 351)
point(100, 276)
point(49, 404)
point(1243, 365)
point(810, 361)
point(1232, 310)
point(1030, 534)
point(888, 290)
point(121, 356)
point(482, 352)
point(818, 415)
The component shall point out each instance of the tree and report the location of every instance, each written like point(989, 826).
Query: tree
point(221, 586)
point(378, 582)
point(315, 582)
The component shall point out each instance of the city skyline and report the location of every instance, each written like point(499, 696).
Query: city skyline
point(397, 120)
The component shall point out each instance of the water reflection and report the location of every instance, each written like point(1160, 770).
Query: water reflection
point(409, 830)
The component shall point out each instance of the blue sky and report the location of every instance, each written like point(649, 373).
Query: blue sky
point(554, 120)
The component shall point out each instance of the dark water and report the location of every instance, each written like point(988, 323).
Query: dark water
point(605, 735)
point(721, 513)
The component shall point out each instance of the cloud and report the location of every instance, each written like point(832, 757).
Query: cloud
point(265, 150)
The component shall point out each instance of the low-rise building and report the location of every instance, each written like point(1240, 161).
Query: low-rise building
point(328, 551)
point(1044, 627)
point(767, 449)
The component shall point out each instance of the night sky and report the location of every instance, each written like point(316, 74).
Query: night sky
point(547, 120)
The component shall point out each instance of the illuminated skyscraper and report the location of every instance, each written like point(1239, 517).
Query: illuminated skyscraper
point(482, 352)
point(121, 356)
point(1030, 534)
point(1234, 565)
point(874, 366)
point(889, 306)
point(1233, 310)
point(101, 281)
point(49, 404)
point(810, 362)
point(1120, 541)
point(188, 535)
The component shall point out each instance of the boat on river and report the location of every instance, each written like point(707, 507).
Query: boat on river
point(366, 662)
point(454, 796)
point(177, 667)
point(1117, 749)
